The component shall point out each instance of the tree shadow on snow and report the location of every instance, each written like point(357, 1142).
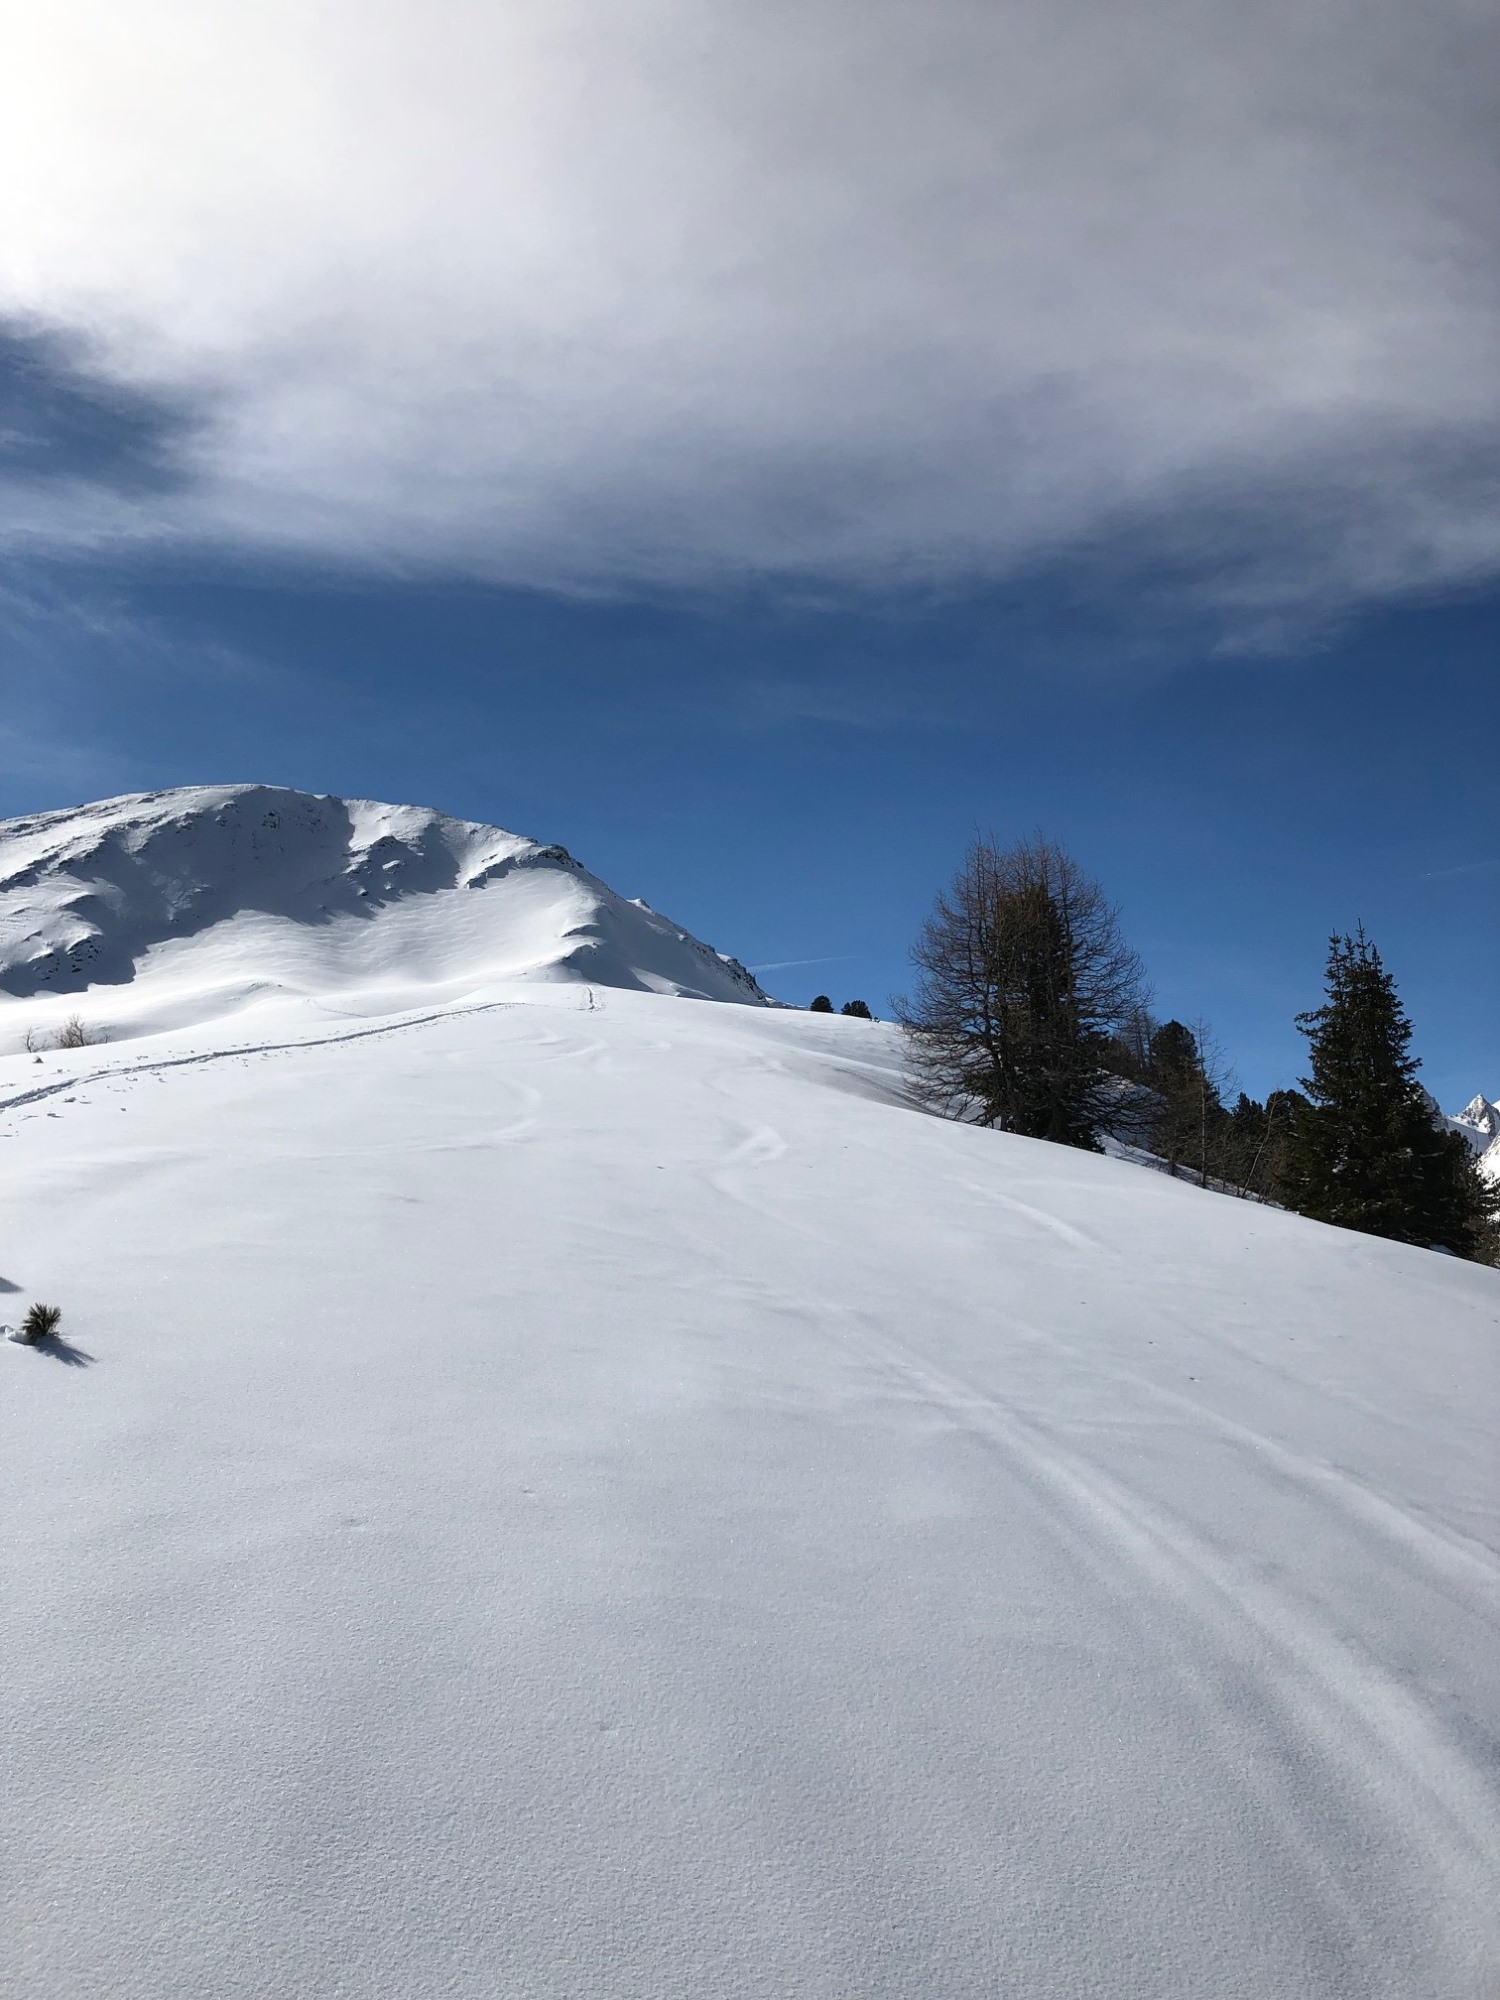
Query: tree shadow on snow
point(6, 1285)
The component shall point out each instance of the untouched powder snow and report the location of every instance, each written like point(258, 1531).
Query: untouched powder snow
point(174, 907)
point(584, 1496)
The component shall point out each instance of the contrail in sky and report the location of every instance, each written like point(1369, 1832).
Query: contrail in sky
point(785, 964)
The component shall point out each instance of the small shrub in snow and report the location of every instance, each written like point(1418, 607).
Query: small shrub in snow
point(40, 1323)
point(73, 1034)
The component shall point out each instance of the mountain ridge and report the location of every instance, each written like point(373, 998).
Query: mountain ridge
point(1479, 1123)
point(231, 891)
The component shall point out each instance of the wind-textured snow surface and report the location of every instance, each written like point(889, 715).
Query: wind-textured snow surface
point(581, 1495)
point(199, 900)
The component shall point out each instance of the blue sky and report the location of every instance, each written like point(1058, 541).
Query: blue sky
point(794, 783)
point(759, 446)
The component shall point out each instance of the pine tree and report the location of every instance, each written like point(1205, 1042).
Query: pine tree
point(1366, 1151)
point(1187, 1099)
point(857, 1010)
point(821, 1004)
point(1256, 1138)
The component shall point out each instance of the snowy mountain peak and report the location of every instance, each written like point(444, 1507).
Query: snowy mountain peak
point(1482, 1117)
point(1479, 1124)
point(205, 896)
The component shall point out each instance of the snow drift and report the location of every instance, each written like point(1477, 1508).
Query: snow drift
point(204, 898)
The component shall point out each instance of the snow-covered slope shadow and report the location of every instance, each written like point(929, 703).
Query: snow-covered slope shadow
point(204, 898)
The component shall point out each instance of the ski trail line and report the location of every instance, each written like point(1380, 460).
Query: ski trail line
point(1365, 1725)
point(1452, 1558)
point(157, 1064)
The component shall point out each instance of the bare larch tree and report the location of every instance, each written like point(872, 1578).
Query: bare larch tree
point(1023, 977)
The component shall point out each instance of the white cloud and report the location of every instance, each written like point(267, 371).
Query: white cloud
point(589, 293)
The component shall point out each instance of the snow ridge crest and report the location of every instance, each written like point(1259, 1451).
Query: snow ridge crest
point(240, 886)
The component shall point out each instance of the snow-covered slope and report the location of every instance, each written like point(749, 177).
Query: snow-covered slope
point(1479, 1122)
point(201, 899)
point(584, 1496)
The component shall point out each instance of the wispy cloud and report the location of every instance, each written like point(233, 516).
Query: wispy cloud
point(65, 653)
point(786, 964)
point(1463, 868)
point(678, 294)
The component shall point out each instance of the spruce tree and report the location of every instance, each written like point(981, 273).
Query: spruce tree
point(1256, 1139)
point(1366, 1151)
point(1190, 1114)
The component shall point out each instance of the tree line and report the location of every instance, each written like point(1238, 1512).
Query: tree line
point(855, 1009)
point(1031, 1013)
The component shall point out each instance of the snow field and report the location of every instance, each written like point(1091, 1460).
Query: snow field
point(583, 1493)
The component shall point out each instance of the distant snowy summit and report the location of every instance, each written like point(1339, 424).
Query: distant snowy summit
point(1479, 1122)
point(207, 897)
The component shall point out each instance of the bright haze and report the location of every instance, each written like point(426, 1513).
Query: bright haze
point(588, 294)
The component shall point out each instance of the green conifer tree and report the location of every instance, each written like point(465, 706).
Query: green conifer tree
point(820, 1004)
point(1256, 1140)
point(1366, 1152)
point(1189, 1111)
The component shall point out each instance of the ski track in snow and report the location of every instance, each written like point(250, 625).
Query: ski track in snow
point(1175, 1560)
point(1448, 1556)
point(1370, 1726)
point(1076, 1239)
point(795, 1565)
point(1370, 1730)
point(241, 1051)
point(758, 1148)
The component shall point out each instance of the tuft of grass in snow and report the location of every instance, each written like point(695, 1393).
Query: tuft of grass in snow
point(40, 1323)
